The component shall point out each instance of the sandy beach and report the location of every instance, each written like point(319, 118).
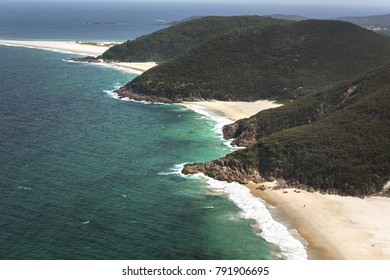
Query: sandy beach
point(334, 227)
point(77, 48)
point(236, 110)
point(72, 47)
point(139, 66)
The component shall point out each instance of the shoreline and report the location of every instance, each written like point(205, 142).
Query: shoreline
point(77, 48)
point(235, 110)
point(334, 227)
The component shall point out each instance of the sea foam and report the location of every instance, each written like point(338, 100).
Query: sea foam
point(254, 208)
point(220, 121)
point(114, 95)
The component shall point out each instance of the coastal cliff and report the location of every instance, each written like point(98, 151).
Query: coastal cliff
point(329, 138)
point(228, 168)
point(340, 147)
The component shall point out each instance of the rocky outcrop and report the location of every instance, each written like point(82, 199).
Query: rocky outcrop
point(244, 132)
point(123, 92)
point(89, 59)
point(228, 169)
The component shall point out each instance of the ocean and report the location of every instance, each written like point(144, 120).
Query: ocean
point(87, 176)
point(120, 21)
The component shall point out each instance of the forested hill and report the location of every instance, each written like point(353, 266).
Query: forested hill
point(336, 141)
point(170, 42)
point(281, 61)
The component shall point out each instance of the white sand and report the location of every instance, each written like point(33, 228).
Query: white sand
point(72, 47)
point(335, 227)
point(236, 110)
point(77, 48)
point(371, 215)
point(139, 66)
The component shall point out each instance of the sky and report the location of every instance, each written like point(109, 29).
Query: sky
point(310, 2)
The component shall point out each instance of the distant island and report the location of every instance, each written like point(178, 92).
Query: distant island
point(100, 22)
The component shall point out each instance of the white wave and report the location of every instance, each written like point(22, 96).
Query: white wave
point(103, 64)
point(220, 121)
point(175, 170)
point(114, 95)
point(254, 208)
point(74, 61)
point(24, 188)
point(85, 223)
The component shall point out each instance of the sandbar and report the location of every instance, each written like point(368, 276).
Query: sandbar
point(72, 47)
point(78, 48)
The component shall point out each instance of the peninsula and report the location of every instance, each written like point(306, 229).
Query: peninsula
point(93, 50)
point(330, 137)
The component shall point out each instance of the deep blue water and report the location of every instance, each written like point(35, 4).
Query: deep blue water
point(86, 176)
point(66, 21)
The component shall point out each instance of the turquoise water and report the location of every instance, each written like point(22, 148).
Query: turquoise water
point(86, 176)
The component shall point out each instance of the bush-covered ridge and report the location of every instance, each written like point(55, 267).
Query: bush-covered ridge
point(283, 61)
point(345, 152)
point(171, 42)
point(305, 110)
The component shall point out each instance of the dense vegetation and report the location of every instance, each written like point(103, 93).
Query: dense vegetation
point(170, 42)
point(283, 61)
point(346, 151)
point(305, 110)
point(334, 139)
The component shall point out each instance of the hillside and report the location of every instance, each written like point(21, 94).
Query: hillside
point(288, 17)
point(305, 110)
point(343, 148)
point(280, 61)
point(170, 42)
point(380, 24)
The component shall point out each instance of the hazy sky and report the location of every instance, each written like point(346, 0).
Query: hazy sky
point(311, 2)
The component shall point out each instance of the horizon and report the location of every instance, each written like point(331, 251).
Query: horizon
point(383, 3)
point(317, 10)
